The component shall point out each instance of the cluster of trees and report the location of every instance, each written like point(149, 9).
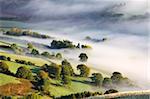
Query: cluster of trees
point(115, 80)
point(52, 56)
point(64, 71)
point(2, 57)
point(19, 32)
point(24, 62)
point(66, 44)
point(62, 44)
point(81, 95)
point(45, 54)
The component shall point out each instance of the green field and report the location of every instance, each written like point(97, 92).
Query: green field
point(5, 79)
point(37, 61)
point(14, 66)
point(78, 84)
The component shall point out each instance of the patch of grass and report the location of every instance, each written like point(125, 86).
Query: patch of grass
point(6, 79)
point(37, 61)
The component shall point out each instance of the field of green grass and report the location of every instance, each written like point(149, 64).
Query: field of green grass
point(37, 61)
point(5, 79)
point(14, 66)
point(78, 84)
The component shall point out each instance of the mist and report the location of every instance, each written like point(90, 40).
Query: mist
point(123, 22)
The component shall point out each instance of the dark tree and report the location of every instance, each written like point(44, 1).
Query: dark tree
point(66, 80)
point(53, 70)
point(83, 57)
point(84, 70)
point(116, 78)
point(35, 52)
point(97, 79)
point(3, 58)
point(59, 56)
point(67, 67)
point(24, 72)
point(3, 67)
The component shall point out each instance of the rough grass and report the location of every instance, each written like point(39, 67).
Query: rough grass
point(37, 61)
point(6, 79)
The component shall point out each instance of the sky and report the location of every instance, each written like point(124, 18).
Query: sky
point(71, 15)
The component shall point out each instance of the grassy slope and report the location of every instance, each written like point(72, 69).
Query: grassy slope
point(37, 61)
point(5, 79)
point(14, 66)
point(78, 84)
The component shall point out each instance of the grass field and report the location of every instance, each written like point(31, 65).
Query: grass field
point(5, 79)
point(37, 61)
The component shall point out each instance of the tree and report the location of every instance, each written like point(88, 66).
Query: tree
point(42, 74)
point(97, 79)
point(30, 46)
point(59, 56)
point(107, 82)
point(84, 70)
point(66, 79)
point(35, 52)
point(53, 70)
point(24, 72)
point(8, 58)
point(111, 91)
point(116, 77)
point(4, 67)
point(46, 54)
point(3, 57)
point(83, 57)
point(67, 67)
